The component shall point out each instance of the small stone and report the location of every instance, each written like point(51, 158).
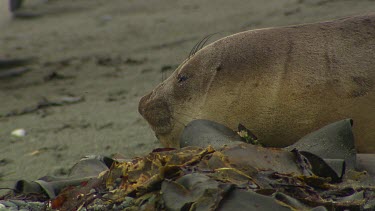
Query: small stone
point(19, 132)
point(92, 190)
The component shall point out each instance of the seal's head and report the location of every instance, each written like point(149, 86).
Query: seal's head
point(177, 100)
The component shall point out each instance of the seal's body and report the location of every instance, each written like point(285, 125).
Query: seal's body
point(281, 83)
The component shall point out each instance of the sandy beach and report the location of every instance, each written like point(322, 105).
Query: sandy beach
point(108, 54)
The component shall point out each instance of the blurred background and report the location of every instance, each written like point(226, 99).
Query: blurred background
point(72, 71)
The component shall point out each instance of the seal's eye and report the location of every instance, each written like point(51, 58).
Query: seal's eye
point(181, 78)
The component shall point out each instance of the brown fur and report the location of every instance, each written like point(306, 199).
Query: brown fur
point(282, 83)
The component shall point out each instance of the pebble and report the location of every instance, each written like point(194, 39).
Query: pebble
point(19, 132)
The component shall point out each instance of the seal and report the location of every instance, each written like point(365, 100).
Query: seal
point(281, 83)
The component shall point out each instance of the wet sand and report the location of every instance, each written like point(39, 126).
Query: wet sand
point(112, 53)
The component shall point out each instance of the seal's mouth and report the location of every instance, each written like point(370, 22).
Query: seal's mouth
point(157, 113)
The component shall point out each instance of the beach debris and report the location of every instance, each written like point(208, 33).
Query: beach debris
point(22, 205)
point(82, 173)
point(19, 132)
point(237, 177)
point(45, 103)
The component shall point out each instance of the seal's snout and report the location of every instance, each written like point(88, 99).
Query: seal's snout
point(143, 103)
point(157, 113)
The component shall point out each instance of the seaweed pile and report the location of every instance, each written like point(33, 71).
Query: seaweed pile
point(238, 176)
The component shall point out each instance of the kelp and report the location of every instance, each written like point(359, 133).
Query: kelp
point(236, 177)
point(240, 177)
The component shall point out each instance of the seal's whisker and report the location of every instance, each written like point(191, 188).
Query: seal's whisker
point(193, 49)
point(207, 38)
point(199, 45)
